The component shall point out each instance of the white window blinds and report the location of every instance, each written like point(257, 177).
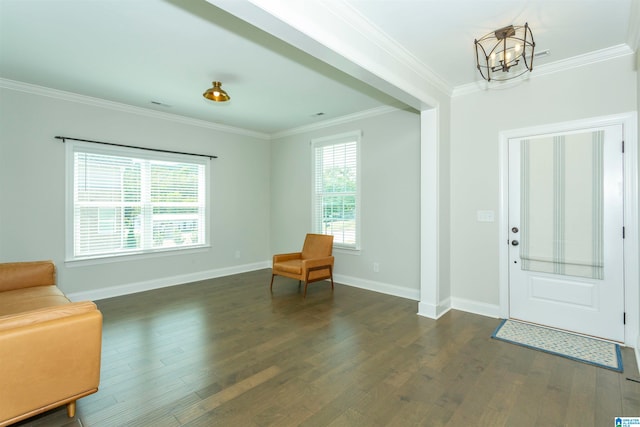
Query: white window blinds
point(126, 201)
point(336, 188)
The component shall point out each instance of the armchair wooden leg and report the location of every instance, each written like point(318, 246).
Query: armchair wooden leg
point(305, 289)
point(271, 286)
point(331, 276)
point(71, 409)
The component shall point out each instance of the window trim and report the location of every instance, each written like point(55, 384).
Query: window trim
point(341, 138)
point(139, 153)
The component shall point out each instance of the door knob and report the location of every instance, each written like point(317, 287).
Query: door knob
point(515, 242)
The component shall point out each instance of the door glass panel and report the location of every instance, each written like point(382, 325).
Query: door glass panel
point(561, 204)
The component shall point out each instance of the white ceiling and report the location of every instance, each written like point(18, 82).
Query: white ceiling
point(169, 51)
point(441, 33)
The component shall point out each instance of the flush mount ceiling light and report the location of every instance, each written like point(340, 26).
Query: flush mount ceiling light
point(216, 93)
point(506, 53)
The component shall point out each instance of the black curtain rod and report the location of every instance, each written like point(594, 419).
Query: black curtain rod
point(64, 138)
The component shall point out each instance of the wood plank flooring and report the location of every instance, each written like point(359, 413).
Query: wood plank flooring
point(225, 352)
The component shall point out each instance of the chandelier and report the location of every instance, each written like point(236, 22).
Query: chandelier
point(506, 53)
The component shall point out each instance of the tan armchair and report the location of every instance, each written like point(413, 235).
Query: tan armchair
point(314, 263)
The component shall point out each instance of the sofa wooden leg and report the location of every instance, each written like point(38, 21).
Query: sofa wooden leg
point(71, 409)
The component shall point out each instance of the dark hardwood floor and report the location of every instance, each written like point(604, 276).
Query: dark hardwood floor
point(225, 352)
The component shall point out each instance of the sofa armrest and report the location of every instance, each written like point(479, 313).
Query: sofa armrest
point(17, 275)
point(33, 317)
point(287, 257)
point(48, 357)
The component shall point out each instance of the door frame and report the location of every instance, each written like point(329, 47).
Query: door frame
point(630, 244)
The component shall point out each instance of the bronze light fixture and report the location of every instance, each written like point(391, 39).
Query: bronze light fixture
point(506, 53)
point(216, 93)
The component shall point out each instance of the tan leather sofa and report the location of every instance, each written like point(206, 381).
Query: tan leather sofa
point(49, 346)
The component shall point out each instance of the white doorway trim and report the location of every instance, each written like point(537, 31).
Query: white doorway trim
point(631, 251)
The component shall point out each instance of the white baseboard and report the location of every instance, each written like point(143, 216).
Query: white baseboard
point(384, 288)
point(475, 307)
point(434, 311)
point(163, 282)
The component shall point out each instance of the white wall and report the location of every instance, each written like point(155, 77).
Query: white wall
point(32, 196)
point(261, 195)
point(477, 119)
point(638, 110)
point(262, 191)
point(390, 217)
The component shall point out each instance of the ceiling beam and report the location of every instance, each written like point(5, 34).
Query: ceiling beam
point(335, 34)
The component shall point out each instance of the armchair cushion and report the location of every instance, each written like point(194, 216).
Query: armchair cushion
point(293, 266)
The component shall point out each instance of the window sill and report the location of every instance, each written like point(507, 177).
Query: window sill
point(346, 251)
point(108, 259)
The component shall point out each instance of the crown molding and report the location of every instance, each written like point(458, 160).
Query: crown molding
point(336, 121)
point(117, 106)
point(550, 68)
point(361, 24)
point(338, 34)
point(98, 102)
point(585, 59)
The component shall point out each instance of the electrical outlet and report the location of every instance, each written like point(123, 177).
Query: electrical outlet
point(376, 267)
point(238, 254)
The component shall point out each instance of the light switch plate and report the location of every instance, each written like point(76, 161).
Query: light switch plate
point(486, 216)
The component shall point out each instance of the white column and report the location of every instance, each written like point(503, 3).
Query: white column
point(429, 283)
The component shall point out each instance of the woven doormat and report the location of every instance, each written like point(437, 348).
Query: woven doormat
point(576, 347)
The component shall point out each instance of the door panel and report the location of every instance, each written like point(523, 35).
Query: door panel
point(565, 220)
point(569, 292)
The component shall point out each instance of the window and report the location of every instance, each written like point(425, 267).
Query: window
point(128, 201)
point(336, 201)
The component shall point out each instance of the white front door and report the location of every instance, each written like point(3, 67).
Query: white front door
point(565, 231)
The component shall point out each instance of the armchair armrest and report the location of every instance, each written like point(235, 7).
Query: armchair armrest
point(317, 262)
point(287, 257)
